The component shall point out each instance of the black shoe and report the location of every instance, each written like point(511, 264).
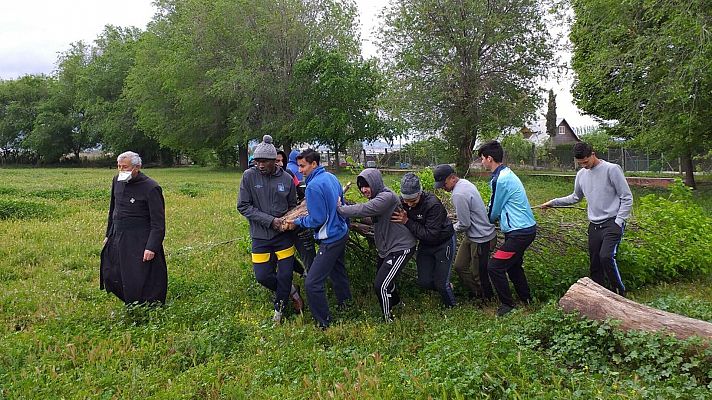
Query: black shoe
point(504, 310)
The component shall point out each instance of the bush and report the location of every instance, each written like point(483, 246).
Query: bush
point(21, 209)
point(670, 239)
point(599, 347)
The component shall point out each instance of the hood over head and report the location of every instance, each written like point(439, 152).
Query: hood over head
point(372, 177)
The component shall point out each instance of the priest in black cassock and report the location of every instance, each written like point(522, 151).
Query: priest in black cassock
point(133, 265)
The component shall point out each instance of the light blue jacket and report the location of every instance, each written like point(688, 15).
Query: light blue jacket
point(322, 196)
point(509, 203)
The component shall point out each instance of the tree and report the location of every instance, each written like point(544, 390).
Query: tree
point(19, 105)
point(336, 101)
point(465, 68)
point(214, 74)
point(430, 151)
point(516, 148)
point(551, 114)
point(109, 114)
point(647, 65)
point(59, 126)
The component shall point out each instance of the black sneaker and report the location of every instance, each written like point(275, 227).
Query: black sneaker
point(504, 310)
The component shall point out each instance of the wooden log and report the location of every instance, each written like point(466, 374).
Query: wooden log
point(301, 209)
point(596, 302)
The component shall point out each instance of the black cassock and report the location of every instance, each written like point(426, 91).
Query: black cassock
point(137, 222)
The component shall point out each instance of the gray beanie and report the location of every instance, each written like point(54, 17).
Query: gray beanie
point(410, 186)
point(265, 149)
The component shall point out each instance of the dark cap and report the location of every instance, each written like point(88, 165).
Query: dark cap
point(440, 173)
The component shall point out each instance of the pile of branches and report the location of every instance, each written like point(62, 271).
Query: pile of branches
point(558, 233)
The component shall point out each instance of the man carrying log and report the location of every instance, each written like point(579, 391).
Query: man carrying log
point(479, 234)
point(304, 242)
point(426, 218)
point(331, 230)
point(508, 205)
point(609, 205)
point(266, 194)
point(394, 242)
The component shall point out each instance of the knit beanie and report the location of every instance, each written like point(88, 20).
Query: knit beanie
point(410, 186)
point(265, 149)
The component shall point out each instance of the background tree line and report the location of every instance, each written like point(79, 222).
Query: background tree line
point(207, 77)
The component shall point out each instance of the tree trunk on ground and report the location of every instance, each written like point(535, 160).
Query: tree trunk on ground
point(594, 301)
point(689, 169)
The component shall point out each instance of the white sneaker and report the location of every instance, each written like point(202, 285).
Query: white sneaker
point(277, 318)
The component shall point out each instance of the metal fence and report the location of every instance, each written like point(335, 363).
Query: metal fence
point(562, 159)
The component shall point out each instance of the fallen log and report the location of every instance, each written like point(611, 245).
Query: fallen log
point(596, 302)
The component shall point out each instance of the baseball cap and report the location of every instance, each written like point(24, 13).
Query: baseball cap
point(440, 173)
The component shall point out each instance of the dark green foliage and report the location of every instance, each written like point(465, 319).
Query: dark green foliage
point(22, 209)
point(601, 348)
point(673, 239)
point(335, 101)
point(551, 114)
point(646, 65)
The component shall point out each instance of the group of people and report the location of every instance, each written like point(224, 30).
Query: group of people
point(414, 223)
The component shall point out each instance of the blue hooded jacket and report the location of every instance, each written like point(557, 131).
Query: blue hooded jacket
point(323, 195)
point(292, 165)
point(509, 203)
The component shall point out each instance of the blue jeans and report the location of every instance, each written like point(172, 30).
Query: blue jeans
point(328, 263)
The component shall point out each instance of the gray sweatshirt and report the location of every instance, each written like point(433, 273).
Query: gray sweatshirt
point(606, 190)
point(471, 212)
point(389, 237)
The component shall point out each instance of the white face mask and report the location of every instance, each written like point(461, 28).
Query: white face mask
point(124, 176)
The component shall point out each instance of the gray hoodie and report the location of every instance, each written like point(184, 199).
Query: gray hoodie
point(389, 237)
point(262, 198)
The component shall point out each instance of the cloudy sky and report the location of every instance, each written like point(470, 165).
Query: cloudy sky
point(34, 32)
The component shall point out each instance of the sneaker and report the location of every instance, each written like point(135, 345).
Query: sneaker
point(504, 310)
point(297, 301)
point(277, 318)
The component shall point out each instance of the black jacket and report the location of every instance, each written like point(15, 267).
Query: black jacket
point(262, 198)
point(428, 221)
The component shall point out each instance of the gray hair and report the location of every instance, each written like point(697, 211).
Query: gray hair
point(134, 157)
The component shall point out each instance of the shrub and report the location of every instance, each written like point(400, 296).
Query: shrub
point(599, 347)
point(21, 209)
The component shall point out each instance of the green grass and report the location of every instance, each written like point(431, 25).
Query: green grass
point(61, 337)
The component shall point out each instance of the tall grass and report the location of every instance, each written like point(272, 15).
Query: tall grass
point(60, 337)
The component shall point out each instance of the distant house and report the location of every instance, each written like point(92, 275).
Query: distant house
point(565, 134)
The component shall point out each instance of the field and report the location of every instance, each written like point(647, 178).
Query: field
point(61, 337)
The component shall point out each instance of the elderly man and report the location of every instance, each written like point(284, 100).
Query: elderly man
point(133, 265)
point(266, 194)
